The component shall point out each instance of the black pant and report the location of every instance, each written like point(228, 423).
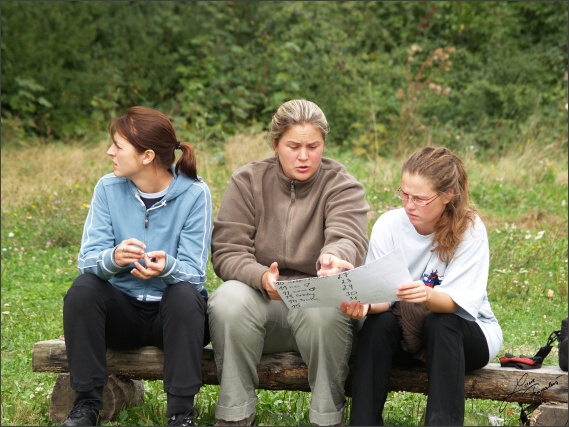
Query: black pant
point(96, 315)
point(454, 346)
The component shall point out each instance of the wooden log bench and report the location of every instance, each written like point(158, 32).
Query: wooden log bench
point(546, 387)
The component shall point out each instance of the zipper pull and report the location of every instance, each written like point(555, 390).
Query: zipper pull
point(146, 220)
point(292, 192)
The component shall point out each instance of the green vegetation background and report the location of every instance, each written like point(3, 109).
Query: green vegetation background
point(68, 67)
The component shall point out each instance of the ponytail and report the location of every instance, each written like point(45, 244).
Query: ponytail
point(187, 162)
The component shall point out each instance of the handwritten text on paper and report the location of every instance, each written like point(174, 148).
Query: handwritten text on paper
point(374, 282)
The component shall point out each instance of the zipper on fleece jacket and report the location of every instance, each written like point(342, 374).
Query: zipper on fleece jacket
point(287, 222)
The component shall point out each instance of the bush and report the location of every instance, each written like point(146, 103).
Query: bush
point(222, 65)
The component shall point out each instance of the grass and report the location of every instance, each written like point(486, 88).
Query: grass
point(46, 190)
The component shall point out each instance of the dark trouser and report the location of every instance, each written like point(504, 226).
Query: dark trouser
point(454, 346)
point(96, 315)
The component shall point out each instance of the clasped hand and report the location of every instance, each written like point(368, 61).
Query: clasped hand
point(131, 251)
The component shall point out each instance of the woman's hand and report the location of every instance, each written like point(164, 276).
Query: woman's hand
point(413, 292)
point(331, 264)
point(268, 279)
point(128, 252)
point(155, 262)
point(419, 293)
point(354, 309)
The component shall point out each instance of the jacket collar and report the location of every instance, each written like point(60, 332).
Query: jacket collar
point(301, 187)
point(180, 183)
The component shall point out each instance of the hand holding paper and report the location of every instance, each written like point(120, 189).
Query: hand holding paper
point(330, 264)
point(371, 283)
point(268, 280)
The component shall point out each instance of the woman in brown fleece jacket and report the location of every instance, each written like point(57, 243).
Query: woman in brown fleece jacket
point(286, 217)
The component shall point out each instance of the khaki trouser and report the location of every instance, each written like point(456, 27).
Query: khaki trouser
point(243, 326)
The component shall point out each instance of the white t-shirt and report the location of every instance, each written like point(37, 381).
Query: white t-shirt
point(464, 278)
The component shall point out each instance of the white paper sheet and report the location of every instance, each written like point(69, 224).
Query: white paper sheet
point(371, 283)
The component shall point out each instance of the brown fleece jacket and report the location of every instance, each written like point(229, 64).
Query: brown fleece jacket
point(266, 217)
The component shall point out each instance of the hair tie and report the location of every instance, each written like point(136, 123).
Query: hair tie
point(178, 146)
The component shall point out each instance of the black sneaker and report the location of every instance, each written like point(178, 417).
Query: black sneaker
point(83, 414)
point(184, 419)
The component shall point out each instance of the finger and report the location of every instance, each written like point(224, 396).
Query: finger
point(134, 242)
point(344, 264)
point(274, 268)
point(144, 269)
point(355, 305)
point(154, 256)
point(130, 250)
point(273, 273)
point(359, 309)
point(406, 291)
point(274, 295)
point(412, 291)
point(136, 273)
point(148, 259)
point(353, 309)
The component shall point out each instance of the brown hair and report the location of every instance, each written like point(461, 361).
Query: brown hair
point(148, 129)
point(445, 171)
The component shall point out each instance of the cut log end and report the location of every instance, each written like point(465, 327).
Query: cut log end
point(118, 394)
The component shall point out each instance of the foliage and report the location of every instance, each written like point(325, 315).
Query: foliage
point(222, 65)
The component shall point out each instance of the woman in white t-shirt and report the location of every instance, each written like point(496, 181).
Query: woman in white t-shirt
point(444, 318)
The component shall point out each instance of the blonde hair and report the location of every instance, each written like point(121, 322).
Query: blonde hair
point(296, 112)
point(445, 171)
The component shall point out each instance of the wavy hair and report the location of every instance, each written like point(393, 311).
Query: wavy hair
point(445, 171)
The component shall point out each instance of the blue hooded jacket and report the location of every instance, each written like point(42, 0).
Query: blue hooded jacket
point(179, 224)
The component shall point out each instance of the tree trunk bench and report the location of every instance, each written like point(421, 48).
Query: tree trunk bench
point(546, 386)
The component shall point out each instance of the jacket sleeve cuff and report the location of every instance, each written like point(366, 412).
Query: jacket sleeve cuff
point(166, 274)
point(259, 286)
point(109, 264)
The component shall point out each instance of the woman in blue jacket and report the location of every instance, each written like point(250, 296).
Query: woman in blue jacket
point(143, 261)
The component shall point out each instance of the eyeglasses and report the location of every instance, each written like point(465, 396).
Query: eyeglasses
point(418, 202)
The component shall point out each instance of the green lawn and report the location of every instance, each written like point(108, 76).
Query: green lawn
point(522, 199)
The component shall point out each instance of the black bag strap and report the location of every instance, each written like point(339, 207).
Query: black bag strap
point(544, 351)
